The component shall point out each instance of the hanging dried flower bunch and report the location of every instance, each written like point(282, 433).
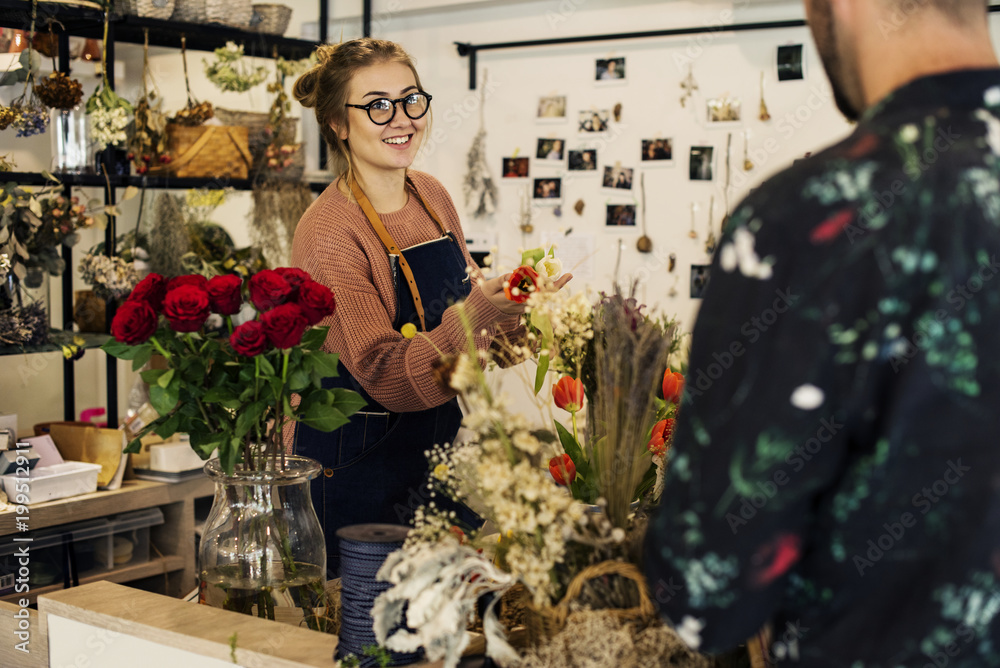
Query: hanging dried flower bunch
point(195, 113)
point(6, 117)
point(230, 72)
point(59, 91)
point(108, 111)
point(31, 117)
point(149, 139)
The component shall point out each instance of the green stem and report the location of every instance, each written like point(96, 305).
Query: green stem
point(576, 437)
point(159, 348)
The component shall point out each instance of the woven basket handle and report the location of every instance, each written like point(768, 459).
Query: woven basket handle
point(625, 570)
point(244, 151)
point(193, 150)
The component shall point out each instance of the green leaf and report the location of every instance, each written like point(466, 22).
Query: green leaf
point(205, 443)
point(532, 257)
point(314, 338)
point(266, 368)
point(325, 364)
point(324, 419)
point(348, 402)
point(123, 351)
point(543, 368)
point(169, 427)
point(249, 417)
point(164, 380)
point(218, 395)
point(144, 356)
point(298, 380)
point(163, 399)
point(574, 451)
point(134, 446)
point(151, 376)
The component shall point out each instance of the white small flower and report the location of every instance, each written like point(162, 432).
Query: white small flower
point(909, 133)
point(992, 97)
point(807, 397)
point(690, 631)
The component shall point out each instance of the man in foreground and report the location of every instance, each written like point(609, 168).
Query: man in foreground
point(836, 469)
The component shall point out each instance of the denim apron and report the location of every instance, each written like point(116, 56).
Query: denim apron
point(374, 468)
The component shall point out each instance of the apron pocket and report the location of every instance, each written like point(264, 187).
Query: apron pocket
point(365, 432)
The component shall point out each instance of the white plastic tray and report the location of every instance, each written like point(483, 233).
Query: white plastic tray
point(58, 481)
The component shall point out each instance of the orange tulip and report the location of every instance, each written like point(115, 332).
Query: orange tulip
point(563, 470)
point(568, 394)
point(663, 433)
point(521, 284)
point(673, 387)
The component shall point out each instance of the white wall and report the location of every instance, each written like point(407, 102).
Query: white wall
point(804, 119)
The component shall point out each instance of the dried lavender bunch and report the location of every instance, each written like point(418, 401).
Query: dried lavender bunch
point(24, 326)
point(169, 239)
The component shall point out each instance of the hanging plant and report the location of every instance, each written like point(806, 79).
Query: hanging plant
point(480, 188)
point(195, 113)
point(229, 70)
point(149, 135)
point(108, 111)
point(59, 91)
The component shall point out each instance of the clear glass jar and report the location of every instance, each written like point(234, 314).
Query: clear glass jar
point(71, 150)
point(262, 551)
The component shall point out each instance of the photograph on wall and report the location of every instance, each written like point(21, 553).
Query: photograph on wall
point(699, 280)
point(584, 160)
point(619, 178)
point(552, 108)
point(609, 70)
point(620, 215)
point(551, 149)
point(515, 168)
point(702, 162)
point(657, 151)
point(725, 110)
point(548, 190)
point(594, 120)
point(790, 64)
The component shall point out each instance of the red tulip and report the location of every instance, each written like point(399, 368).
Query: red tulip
point(563, 469)
point(522, 283)
point(568, 394)
point(663, 432)
point(673, 387)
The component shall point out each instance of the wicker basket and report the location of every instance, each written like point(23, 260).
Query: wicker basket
point(542, 624)
point(271, 19)
point(235, 13)
point(258, 138)
point(189, 11)
point(154, 9)
point(208, 151)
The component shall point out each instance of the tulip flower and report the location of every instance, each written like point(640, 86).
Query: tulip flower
point(521, 284)
point(568, 394)
point(663, 432)
point(563, 470)
point(673, 387)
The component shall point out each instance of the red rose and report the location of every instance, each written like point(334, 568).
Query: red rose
point(673, 387)
point(521, 284)
point(151, 290)
point(316, 301)
point(224, 294)
point(294, 277)
point(268, 289)
point(134, 322)
point(284, 325)
point(568, 394)
point(563, 469)
point(196, 280)
point(249, 339)
point(186, 307)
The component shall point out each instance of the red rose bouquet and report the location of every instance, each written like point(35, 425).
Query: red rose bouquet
point(230, 386)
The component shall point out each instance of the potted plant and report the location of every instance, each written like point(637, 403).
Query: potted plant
point(231, 388)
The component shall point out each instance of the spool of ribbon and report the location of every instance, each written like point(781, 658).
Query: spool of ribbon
point(363, 550)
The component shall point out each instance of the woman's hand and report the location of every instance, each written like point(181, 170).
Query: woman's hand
point(493, 289)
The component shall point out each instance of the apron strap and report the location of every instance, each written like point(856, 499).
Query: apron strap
point(390, 244)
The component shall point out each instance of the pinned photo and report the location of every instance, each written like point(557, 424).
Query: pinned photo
point(702, 158)
point(725, 110)
point(700, 275)
point(620, 215)
point(790, 64)
point(515, 168)
point(657, 150)
point(584, 160)
point(548, 189)
point(619, 178)
point(594, 121)
point(552, 108)
point(551, 149)
point(609, 69)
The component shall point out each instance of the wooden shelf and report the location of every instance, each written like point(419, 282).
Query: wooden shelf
point(153, 567)
point(153, 182)
point(133, 495)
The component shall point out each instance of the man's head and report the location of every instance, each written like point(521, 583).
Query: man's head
point(844, 31)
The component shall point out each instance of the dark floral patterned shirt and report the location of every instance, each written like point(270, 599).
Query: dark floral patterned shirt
point(836, 468)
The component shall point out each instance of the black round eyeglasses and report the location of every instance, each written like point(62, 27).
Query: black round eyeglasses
point(383, 110)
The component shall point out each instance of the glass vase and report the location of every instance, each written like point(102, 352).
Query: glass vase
point(70, 141)
point(262, 551)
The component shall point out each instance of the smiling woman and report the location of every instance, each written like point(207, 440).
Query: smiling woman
point(388, 241)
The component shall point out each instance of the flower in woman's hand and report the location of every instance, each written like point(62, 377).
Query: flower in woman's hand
point(196, 280)
point(284, 325)
point(186, 307)
point(134, 322)
point(316, 301)
point(663, 432)
point(521, 284)
point(224, 294)
point(568, 394)
point(550, 267)
point(673, 387)
point(294, 277)
point(249, 339)
point(151, 290)
point(563, 470)
point(268, 289)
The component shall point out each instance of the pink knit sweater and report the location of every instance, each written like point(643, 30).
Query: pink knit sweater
point(336, 244)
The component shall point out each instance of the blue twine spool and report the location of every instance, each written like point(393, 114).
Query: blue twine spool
point(363, 550)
